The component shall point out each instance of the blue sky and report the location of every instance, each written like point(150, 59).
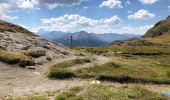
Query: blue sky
point(97, 16)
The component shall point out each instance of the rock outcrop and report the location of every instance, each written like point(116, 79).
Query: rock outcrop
point(159, 29)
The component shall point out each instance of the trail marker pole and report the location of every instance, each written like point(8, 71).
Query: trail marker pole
point(71, 41)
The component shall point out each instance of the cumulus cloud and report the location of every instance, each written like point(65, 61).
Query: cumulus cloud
point(148, 1)
point(25, 4)
point(56, 3)
point(111, 4)
point(77, 22)
point(8, 6)
point(3, 16)
point(141, 14)
point(73, 23)
point(112, 20)
point(140, 30)
point(4, 8)
point(31, 4)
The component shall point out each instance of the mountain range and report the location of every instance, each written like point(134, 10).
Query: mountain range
point(84, 38)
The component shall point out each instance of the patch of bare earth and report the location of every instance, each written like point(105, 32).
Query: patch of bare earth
point(17, 81)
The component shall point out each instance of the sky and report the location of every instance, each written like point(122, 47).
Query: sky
point(93, 16)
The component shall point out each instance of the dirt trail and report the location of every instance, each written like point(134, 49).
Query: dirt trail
point(21, 81)
point(99, 60)
point(15, 81)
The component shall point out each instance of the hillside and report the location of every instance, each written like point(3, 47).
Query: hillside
point(159, 29)
point(26, 59)
point(9, 27)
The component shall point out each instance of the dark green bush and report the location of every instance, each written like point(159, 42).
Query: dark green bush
point(59, 73)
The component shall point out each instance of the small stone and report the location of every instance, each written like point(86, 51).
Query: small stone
point(37, 73)
point(30, 67)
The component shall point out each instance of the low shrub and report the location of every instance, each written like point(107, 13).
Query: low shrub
point(59, 70)
point(35, 54)
point(60, 73)
point(16, 58)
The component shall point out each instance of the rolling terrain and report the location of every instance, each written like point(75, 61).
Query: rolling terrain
point(36, 69)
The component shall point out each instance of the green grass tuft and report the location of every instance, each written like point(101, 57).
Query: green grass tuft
point(70, 95)
point(35, 54)
point(16, 58)
point(59, 70)
point(60, 73)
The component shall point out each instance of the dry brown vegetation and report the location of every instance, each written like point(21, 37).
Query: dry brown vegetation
point(4, 26)
point(15, 58)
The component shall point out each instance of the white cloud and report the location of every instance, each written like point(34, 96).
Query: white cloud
point(34, 4)
point(111, 4)
point(3, 16)
point(169, 7)
point(112, 20)
point(25, 4)
point(21, 4)
point(148, 1)
point(141, 14)
point(4, 7)
point(8, 6)
point(77, 23)
point(74, 23)
point(56, 3)
point(139, 30)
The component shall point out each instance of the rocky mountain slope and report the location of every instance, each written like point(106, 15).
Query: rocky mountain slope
point(160, 28)
point(17, 40)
